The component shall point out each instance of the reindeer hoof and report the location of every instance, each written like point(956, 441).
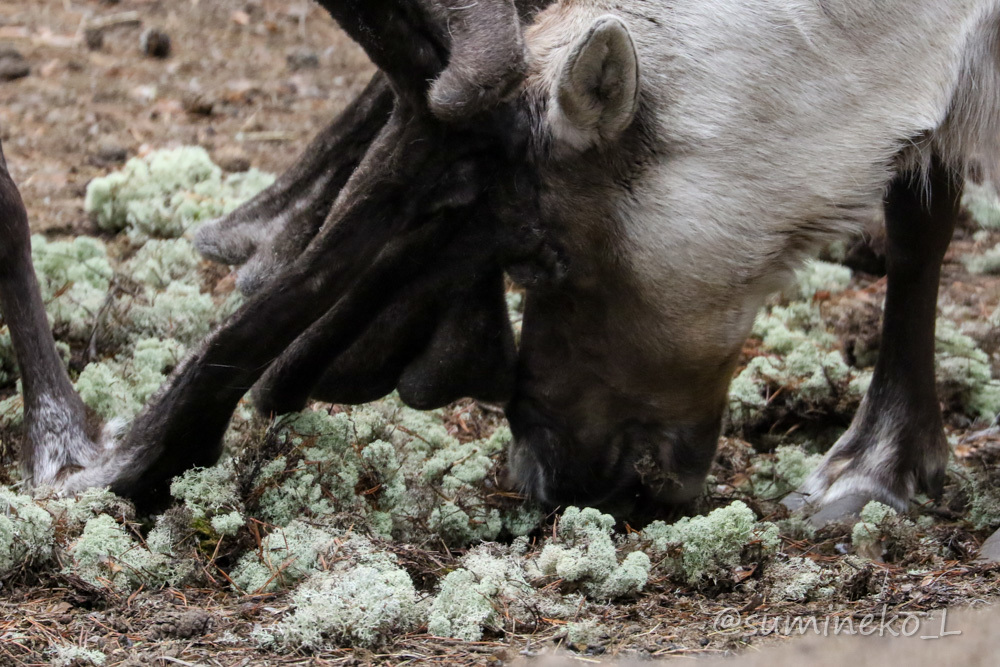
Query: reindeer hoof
point(989, 553)
point(845, 508)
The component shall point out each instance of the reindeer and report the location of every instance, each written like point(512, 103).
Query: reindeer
point(649, 171)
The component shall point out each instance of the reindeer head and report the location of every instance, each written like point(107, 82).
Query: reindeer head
point(377, 262)
point(618, 387)
point(624, 362)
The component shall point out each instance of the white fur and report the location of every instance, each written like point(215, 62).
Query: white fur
point(766, 128)
point(60, 440)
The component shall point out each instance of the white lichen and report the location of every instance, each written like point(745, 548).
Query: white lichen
point(880, 531)
point(585, 554)
point(168, 193)
point(26, 532)
point(797, 580)
point(708, 548)
point(982, 202)
point(107, 555)
point(286, 556)
point(964, 373)
point(68, 655)
point(361, 602)
point(785, 471)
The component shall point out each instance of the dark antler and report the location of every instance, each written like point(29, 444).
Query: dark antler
point(428, 209)
point(268, 232)
point(472, 51)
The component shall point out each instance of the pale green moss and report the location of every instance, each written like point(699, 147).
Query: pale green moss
point(74, 512)
point(987, 262)
point(471, 597)
point(817, 276)
point(228, 524)
point(784, 472)
point(168, 192)
point(12, 409)
point(180, 311)
point(983, 496)
point(585, 554)
point(107, 555)
point(120, 387)
point(207, 491)
point(359, 606)
point(26, 531)
point(800, 360)
point(708, 548)
point(983, 203)
point(797, 580)
point(413, 477)
point(74, 277)
point(160, 262)
point(286, 556)
point(584, 634)
point(881, 530)
point(964, 372)
point(67, 655)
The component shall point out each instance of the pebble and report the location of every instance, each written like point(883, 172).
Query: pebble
point(13, 65)
point(231, 159)
point(302, 58)
point(110, 152)
point(198, 104)
point(94, 38)
point(155, 43)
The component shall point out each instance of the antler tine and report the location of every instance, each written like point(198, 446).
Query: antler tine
point(456, 57)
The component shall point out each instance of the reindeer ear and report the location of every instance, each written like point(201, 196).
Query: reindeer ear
point(597, 92)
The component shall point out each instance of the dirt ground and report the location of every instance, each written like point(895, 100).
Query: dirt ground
point(252, 81)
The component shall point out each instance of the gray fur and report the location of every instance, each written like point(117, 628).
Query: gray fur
point(764, 130)
point(691, 154)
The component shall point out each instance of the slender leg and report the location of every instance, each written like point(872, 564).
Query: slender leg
point(60, 435)
point(896, 443)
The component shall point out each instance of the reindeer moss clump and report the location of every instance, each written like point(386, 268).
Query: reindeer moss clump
point(168, 192)
point(211, 493)
point(987, 262)
point(983, 497)
point(796, 580)
point(471, 597)
point(584, 554)
point(107, 555)
point(180, 311)
point(74, 277)
point(160, 262)
point(286, 556)
point(363, 600)
point(708, 548)
point(394, 468)
point(26, 532)
point(784, 472)
point(882, 532)
point(119, 388)
point(984, 205)
point(817, 276)
point(76, 511)
point(964, 374)
point(67, 655)
point(800, 360)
